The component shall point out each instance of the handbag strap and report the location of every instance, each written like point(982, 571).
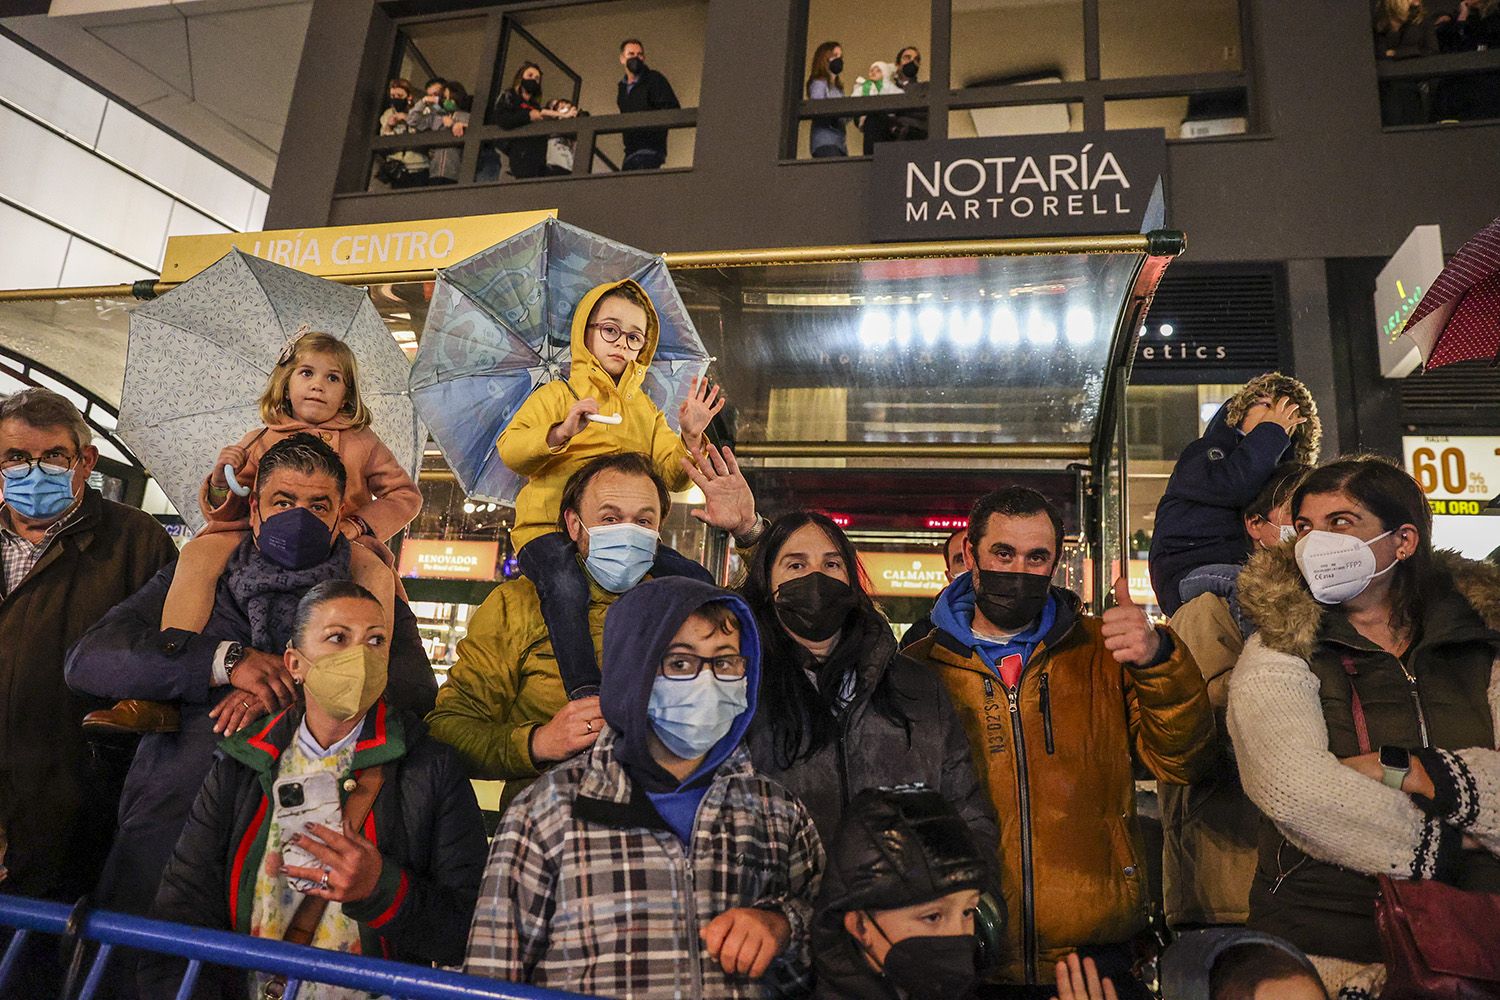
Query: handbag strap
point(1361, 728)
point(356, 810)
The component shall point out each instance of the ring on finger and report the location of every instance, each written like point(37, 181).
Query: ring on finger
point(323, 884)
point(588, 725)
point(245, 703)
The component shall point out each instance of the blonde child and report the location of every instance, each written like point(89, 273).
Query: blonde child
point(601, 409)
point(313, 389)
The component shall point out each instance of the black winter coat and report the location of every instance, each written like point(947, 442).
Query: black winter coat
point(872, 751)
point(56, 796)
point(528, 157)
point(652, 92)
point(426, 823)
point(1198, 521)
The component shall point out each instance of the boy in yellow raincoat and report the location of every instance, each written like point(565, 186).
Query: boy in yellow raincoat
point(601, 409)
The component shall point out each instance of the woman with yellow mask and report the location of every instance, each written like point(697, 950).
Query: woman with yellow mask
point(337, 823)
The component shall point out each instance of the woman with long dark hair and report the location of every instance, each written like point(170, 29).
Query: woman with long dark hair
point(521, 105)
point(827, 137)
point(1361, 715)
point(841, 710)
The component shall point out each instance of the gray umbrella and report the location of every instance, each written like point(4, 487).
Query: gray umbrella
point(200, 357)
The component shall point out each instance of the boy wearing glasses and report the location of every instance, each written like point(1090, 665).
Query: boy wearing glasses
point(600, 409)
point(659, 864)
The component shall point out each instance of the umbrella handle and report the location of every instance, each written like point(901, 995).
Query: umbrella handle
point(607, 418)
point(234, 484)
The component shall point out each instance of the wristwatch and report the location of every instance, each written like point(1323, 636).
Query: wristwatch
point(1395, 763)
point(233, 654)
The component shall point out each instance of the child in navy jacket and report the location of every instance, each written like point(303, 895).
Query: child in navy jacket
point(1199, 538)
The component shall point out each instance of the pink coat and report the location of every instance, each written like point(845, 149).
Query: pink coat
point(379, 490)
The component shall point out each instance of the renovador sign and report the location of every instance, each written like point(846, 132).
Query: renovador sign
point(1035, 185)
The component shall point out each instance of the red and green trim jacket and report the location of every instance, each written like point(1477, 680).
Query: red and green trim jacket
point(425, 823)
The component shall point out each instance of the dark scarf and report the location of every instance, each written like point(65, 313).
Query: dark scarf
point(267, 594)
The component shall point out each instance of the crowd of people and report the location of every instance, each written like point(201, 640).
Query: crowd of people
point(446, 106)
point(741, 792)
point(828, 136)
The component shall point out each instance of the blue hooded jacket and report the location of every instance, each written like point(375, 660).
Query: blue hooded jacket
point(954, 613)
point(637, 631)
point(1198, 520)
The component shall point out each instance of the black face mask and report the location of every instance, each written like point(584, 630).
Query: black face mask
point(397, 103)
point(636, 65)
point(910, 70)
point(531, 88)
point(835, 66)
point(932, 968)
point(814, 606)
point(1011, 600)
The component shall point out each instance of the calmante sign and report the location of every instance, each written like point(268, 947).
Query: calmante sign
point(1034, 185)
point(379, 248)
point(440, 560)
point(1459, 475)
point(905, 574)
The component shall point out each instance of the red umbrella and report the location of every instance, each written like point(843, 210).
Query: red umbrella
point(1459, 317)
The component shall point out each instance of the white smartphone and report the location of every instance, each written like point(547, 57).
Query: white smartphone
point(310, 798)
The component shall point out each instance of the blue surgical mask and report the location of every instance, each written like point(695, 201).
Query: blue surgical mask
point(620, 555)
point(691, 716)
point(45, 491)
point(294, 539)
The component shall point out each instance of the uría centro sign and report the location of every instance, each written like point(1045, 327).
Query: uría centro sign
point(1019, 186)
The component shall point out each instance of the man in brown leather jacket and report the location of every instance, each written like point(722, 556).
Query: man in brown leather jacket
point(1058, 705)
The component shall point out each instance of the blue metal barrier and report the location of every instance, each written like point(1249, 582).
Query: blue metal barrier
point(200, 947)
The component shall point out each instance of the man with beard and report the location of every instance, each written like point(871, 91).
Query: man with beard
point(1057, 704)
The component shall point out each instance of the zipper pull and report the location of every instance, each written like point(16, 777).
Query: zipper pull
point(1047, 714)
point(1015, 708)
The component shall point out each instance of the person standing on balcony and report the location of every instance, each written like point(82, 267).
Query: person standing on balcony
point(909, 125)
point(643, 89)
point(402, 168)
point(522, 105)
point(823, 83)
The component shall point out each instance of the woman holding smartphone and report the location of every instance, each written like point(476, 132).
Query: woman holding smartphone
point(393, 868)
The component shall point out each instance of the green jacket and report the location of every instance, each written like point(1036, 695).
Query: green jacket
point(506, 684)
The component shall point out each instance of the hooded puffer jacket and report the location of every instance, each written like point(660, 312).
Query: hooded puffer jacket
point(523, 444)
point(1198, 521)
point(897, 847)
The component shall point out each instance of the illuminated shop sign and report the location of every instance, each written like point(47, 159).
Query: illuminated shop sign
point(421, 245)
point(1034, 185)
point(905, 574)
point(1398, 289)
point(1459, 475)
point(440, 560)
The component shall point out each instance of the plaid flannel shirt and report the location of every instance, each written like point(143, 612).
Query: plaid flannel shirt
point(587, 890)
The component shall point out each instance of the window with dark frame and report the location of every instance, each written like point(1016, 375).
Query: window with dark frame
point(484, 51)
point(1066, 65)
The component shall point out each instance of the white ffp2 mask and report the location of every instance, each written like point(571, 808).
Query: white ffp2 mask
point(1337, 567)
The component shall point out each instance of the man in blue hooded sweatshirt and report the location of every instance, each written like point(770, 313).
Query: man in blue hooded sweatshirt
point(1057, 705)
point(659, 862)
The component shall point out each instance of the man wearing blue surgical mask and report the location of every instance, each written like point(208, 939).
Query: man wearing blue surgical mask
point(504, 707)
point(67, 555)
point(229, 673)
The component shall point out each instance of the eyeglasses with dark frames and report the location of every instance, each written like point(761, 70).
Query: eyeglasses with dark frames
point(687, 666)
point(612, 332)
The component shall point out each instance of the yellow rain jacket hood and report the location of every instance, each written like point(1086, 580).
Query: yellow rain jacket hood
point(643, 428)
